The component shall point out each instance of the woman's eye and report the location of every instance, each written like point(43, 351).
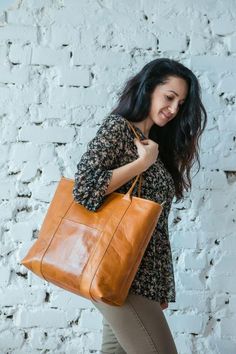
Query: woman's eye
point(171, 98)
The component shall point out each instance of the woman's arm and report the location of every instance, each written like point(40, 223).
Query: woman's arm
point(147, 152)
point(95, 176)
point(123, 174)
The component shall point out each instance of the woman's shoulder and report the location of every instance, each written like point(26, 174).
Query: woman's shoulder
point(113, 129)
point(115, 121)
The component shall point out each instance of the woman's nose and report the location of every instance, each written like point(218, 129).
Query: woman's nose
point(173, 108)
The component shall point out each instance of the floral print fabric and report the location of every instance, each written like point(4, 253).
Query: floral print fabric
point(112, 147)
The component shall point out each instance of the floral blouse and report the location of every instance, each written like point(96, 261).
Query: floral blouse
point(112, 147)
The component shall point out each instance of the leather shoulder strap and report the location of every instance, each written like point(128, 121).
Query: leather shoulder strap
point(132, 128)
point(140, 176)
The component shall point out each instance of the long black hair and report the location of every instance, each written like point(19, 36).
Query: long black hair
point(179, 139)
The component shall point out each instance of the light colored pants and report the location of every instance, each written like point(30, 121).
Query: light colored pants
point(138, 326)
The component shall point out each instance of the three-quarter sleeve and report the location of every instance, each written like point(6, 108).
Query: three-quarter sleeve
point(94, 170)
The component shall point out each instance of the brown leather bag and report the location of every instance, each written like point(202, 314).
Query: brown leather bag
point(94, 254)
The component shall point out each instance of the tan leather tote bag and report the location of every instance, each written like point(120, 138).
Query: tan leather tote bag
point(94, 254)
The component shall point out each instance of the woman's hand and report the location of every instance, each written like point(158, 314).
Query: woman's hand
point(164, 305)
point(148, 151)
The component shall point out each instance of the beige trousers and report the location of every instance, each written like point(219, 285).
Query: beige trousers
point(137, 327)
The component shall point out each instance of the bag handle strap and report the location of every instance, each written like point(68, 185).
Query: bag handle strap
point(140, 175)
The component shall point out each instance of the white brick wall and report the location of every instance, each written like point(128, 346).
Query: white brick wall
point(62, 63)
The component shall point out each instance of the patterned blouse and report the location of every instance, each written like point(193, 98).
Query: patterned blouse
point(113, 147)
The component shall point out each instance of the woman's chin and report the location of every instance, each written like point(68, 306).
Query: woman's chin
point(161, 120)
point(160, 123)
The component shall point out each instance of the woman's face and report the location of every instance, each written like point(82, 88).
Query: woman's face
point(167, 99)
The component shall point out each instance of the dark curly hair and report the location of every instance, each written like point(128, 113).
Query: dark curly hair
point(179, 139)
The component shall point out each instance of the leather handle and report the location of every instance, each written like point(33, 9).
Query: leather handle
point(140, 175)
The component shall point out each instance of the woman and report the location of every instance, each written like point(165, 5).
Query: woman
point(163, 104)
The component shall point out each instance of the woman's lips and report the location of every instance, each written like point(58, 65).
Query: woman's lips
point(164, 116)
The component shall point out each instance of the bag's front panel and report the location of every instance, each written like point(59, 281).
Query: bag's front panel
point(68, 255)
point(93, 254)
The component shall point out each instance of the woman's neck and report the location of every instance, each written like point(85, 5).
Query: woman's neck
point(144, 126)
